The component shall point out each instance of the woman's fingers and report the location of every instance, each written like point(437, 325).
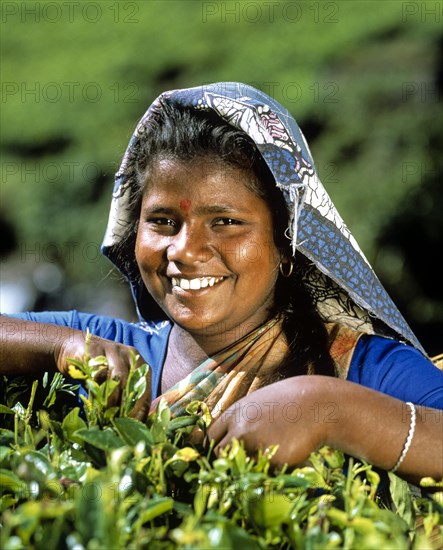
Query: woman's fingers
point(295, 437)
point(117, 364)
point(116, 396)
point(101, 375)
point(218, 431)
point(141, 408)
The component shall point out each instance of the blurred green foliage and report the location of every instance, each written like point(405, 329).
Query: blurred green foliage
point(362, 78)
point(99, 478)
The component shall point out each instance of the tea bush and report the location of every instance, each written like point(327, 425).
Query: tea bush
point(93, 477)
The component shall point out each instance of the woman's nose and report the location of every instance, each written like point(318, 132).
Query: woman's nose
point(189, 245)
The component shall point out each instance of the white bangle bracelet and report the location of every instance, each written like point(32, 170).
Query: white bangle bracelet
point(409, 438)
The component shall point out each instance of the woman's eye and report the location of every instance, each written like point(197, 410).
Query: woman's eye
point(226, 221)
point(162, 221)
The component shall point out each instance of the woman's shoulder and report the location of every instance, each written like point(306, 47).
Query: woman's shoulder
point(398, 369)
point(105, 326)
point(384, 349)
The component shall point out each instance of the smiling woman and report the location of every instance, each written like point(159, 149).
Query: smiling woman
point(251, 292)
point(186, 260)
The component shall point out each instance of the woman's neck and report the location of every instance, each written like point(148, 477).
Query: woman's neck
point(184, 345)
point(184, 354)
point(200, 346)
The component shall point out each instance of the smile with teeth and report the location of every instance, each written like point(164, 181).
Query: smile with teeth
point(195, 284)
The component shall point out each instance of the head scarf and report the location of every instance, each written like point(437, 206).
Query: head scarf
point(341, 281)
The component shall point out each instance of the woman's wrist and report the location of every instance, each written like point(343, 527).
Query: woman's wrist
point(349, 416)
point(381, 429)
point(332, 416)
point(319, 404)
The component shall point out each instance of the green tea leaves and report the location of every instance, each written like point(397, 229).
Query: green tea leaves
point(98, 478)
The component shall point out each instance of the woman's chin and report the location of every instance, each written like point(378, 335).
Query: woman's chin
point(199, 324)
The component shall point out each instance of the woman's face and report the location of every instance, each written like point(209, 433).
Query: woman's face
point(205, 248)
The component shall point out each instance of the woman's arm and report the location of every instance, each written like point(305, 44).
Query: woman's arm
point(375, 427)
point(31, 348)
point(304, 413)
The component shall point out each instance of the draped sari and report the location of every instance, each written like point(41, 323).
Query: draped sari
point(344, 289)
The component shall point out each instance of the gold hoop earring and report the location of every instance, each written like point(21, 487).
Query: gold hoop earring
point(289, 273)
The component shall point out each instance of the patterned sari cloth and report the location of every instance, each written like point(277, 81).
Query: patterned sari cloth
point(232, 373)
point(346, 292)
point(249, 364)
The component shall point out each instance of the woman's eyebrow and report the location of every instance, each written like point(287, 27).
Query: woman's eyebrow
point(199, 210)
point(221, 209)
point(159, 210)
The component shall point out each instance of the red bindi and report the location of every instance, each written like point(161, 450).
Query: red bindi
point(185, 205)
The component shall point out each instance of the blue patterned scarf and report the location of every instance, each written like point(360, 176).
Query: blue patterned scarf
point(344, 286)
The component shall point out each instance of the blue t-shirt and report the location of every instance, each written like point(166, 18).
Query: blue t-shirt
point(379, 363)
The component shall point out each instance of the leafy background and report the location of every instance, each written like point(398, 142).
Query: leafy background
point(102, 479)
point(364, 80)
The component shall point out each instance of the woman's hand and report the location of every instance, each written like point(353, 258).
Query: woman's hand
point(303, 413)
point(119, 359)
point(291, 413)
point(30, 348)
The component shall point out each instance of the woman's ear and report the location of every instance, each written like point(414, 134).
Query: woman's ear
point(286, 266)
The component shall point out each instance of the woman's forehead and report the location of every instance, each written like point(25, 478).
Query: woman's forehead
point(200, 187)
point(201, 164)
point(199, 173)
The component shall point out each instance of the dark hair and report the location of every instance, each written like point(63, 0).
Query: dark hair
point(184, 134)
